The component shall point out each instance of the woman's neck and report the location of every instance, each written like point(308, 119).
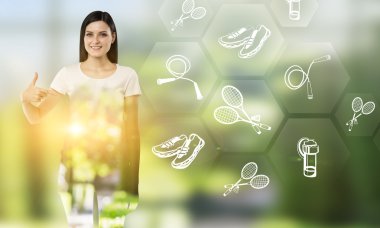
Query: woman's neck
point(96, 63)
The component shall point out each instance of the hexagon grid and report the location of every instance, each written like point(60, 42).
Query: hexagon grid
point(329, 160)
point(294, 13)
point(240, 136)
point(245, 30)
point(304, 70)
point(366, 122)
point(187, 18)
point(169, 61)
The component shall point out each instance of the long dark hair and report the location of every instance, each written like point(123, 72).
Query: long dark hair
point(98, 16)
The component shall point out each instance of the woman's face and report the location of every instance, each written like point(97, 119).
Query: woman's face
point(98, 39)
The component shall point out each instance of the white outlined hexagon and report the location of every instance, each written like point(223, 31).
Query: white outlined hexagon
point(366, 124)
point(178, 96)
point(281, 10)
point(232, 17)
point(172, 10)
point(240, 136)
point(328, 79)
point(332, 155)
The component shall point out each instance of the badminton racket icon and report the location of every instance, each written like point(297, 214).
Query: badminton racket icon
point(359, 109)
point(180, 75)
point(305, 76)
point(228, 114)
point(248, 173)
point(189, 11)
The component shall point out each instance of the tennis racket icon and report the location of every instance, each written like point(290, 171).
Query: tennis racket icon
point(248, 172)
point(228, 114)
point(305, 76)
point(359, 109)
point(189, 11)
point(180, 75)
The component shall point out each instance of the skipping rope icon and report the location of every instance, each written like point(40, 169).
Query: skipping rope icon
point(179, 75)
point(305, 76)
point(308, 150)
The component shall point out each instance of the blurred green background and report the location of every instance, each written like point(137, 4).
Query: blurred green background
point(43, 36)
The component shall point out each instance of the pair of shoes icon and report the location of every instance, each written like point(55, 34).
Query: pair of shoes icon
point(184, 148)
point(252, 40)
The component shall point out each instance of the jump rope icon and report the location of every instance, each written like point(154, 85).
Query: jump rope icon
point(357, 106)
point(180, 75)
point(189, 11)
point(228, 114)
point(305, 76)
point(248, 173)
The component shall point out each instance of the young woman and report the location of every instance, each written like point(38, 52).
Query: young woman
point(104, 117)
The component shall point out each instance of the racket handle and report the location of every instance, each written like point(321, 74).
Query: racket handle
point(256, 128)
point(228, 191)
point(265, 126)
point(198, 92)
point(165, 80)
point(309, 91)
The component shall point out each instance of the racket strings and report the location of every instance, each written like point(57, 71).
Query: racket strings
point(260, 181)
point(225, 115)
point(368, 108)
point(232, 96)
point(249, 171)
point(357, 104)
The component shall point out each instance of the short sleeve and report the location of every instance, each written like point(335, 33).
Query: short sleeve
point(132, 86)
point(59, 82)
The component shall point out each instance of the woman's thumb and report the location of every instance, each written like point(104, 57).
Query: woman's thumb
point(34, 79)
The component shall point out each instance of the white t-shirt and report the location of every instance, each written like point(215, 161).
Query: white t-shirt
point(96, 105)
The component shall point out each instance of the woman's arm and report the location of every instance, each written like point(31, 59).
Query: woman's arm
point(131, 146)
point(37, 102)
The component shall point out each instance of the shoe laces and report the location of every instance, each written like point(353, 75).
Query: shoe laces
point(237, 33)
point(169, 143)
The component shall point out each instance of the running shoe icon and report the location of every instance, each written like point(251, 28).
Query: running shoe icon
point(252, 40)
point(185, 149)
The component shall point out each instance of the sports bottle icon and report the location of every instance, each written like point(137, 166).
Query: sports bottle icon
point(308, 150)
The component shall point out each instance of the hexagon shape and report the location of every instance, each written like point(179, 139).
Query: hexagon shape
point(365, 124)
point(177, 183)
point(294, 13)
point(328, 78)
point(186, 18)
point(177, 96)
point(376, 139)
point(230, 22)
point(332, 155)
point(241, 136)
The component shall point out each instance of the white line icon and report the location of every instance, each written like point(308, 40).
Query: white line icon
point(189, 11)
point(228, 114)
point(308, 150)
point(305, 76)
point(357, 106)
point(294, 9)
point(251, 40)
point(248, 172)
point(180, 75)
point(185, 149)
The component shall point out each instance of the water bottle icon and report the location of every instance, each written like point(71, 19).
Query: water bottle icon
point(308, 150)
point(294, 9)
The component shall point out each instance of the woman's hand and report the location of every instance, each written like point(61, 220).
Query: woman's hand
point(33, 93)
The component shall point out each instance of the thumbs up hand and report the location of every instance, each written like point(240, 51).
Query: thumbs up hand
point(33, 93)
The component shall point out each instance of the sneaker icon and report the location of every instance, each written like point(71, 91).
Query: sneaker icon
point(252, 40)
point(170, 147)
point(255, 42)
point(188, 152)
point(235, 39)
point(184, 148)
